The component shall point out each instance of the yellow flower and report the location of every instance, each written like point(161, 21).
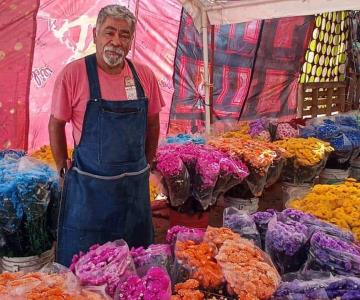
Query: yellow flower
point(306, 152)
point(338, 204)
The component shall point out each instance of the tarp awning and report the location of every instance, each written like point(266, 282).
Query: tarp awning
point(221, 12)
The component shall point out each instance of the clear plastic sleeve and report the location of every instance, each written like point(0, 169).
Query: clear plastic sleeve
point(178, 186)
point(25, 189)
point(110, 264)
point(248, 271)
point(286, 242)
point(296, 174)
point(242, 223)
point(197, 261)
point(262, 219)
point(156, 255)
point(329, 253)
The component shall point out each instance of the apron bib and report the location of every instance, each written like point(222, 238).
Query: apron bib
point(106, 191)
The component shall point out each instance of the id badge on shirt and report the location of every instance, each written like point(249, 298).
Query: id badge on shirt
point(130, 88)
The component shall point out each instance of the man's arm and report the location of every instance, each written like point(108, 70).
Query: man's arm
point(58, 142)
point(152, 137)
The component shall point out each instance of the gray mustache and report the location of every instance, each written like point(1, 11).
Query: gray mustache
point(116, 50)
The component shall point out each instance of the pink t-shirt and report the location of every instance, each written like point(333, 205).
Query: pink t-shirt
point(71, 91)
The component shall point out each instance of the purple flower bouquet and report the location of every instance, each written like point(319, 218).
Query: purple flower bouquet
point(262, 219)
point(175, 174)
point(330, 253)
point(286, 243)
point(242, 223)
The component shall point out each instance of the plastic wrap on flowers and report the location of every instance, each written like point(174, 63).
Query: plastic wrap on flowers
point(347, 288)
point(304, 290)
point(329, 253)
point(301, 174)
point(155, 285)
point(156, 255)
point(275, 171)
point(42, 286)
point(110, 264)
point(193, 234)
point(286, 243)
point(25, 188)
point(262, 219)
point(207, 172)
point(314, 224)
point(305, 158)
point(242, 223)
point(248, 271)
point(318, 286)
point(232, 173)
point(258, 156)
point(256, 182)
point(176, 176)
point(197, 261)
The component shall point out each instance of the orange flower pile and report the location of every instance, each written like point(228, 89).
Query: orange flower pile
point(218, 236)
point(44, 154)
point(199, 258)
point(255, 153)
point(38, 286)
point(188, 290)
point(246, 271)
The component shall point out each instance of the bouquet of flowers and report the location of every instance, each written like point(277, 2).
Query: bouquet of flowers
point(286, 243)
point(242, 223)
point(329, 253)
point(155, 285)
point(108, 264)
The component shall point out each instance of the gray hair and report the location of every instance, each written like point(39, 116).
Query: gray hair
point(117, 12)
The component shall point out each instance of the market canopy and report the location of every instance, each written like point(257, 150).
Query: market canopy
point(220, 12)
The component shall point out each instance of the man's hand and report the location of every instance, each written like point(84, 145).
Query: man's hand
point(152, 137)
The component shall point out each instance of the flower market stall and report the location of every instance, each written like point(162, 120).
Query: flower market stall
point(266, 255)
point(230, 141)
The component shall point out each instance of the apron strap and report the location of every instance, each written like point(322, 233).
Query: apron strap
point(139, 89)
point(94, 85)
point(92, 74)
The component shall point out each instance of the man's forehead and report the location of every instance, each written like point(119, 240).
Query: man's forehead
point(116, 24)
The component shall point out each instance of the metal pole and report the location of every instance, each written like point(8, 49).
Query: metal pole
point(204, 25)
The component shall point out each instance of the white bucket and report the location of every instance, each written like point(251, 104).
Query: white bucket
point(333, 176)
point(291, 191)
point(250, 205)
point(355, 169)
point(29, 263)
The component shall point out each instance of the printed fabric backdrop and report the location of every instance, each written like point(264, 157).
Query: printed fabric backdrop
point(258, 72)
point(235, 47)
point(326, 55)
point(273, 90)
point(17, 37)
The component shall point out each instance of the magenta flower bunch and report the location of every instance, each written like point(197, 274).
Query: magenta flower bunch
point(155, 285)
point(107, 264)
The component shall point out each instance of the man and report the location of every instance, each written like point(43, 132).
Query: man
point(114, 107)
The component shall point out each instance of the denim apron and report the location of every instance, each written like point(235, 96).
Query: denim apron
point(106, 191)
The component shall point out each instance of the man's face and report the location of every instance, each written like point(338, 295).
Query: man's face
point(113, 41)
